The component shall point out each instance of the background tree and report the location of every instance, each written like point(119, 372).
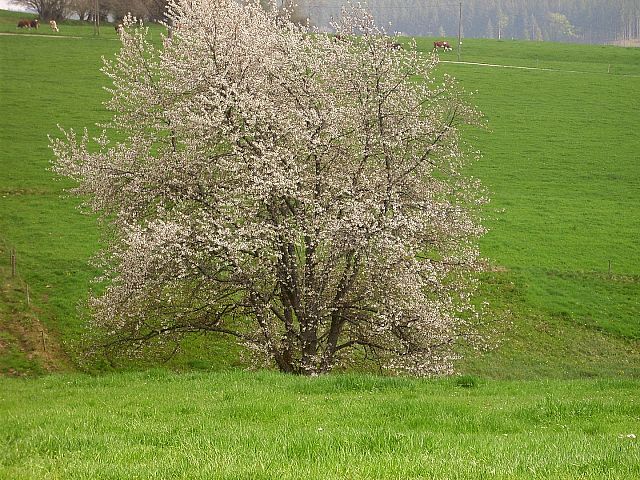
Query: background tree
point(595, 21)
point(82, 8)
point(503, 22)
point(560, 27)
point(150, 10)
point(47, 9)
point(300, 193)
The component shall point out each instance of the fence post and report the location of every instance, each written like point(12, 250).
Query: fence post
point(13, 262)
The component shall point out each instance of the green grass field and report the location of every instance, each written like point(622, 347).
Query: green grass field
point(557, 399)
point(238, 425)
point(560, 163)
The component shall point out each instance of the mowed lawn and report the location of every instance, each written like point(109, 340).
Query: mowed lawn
point(235, 425)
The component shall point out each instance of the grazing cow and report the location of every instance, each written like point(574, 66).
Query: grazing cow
point(394, 45)
point(34, 23)
point(119, 28)
point(24, 23)
point(442, 44)
point(53, 25)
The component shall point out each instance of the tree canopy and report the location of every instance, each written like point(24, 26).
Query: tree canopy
point(303, 193)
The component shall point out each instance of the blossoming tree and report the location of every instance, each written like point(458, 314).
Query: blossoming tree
point(301, 192)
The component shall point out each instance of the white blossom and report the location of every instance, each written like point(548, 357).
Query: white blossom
point(300, 191)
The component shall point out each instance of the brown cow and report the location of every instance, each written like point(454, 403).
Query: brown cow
point(24, 23)
point(442, 44)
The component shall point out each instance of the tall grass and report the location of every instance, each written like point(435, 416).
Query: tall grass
point(264, 425)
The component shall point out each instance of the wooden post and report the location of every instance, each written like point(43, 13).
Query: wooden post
point(44, 342)
point(28, 299)
point(459, 30)
point(609, 267)
point(96, 18)
point(13, 262)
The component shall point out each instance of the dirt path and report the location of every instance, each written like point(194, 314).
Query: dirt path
point(557, 70)
point(38, 35)
point(27, 346)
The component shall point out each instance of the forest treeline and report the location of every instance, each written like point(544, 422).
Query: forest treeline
point(583, 21)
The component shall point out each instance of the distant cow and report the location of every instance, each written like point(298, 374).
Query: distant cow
point(119, 27)
point(24, 23)
point(53, 25)
point(394, 45)
point(442, 44)
point(34, 23)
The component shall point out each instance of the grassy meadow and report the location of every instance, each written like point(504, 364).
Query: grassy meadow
point(239, 425)
point(558, 398)
point(560, 164)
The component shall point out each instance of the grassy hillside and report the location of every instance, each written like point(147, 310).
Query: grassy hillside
point(67, 28)
point(560, 162)
point(239, 425)
point(54, 80)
